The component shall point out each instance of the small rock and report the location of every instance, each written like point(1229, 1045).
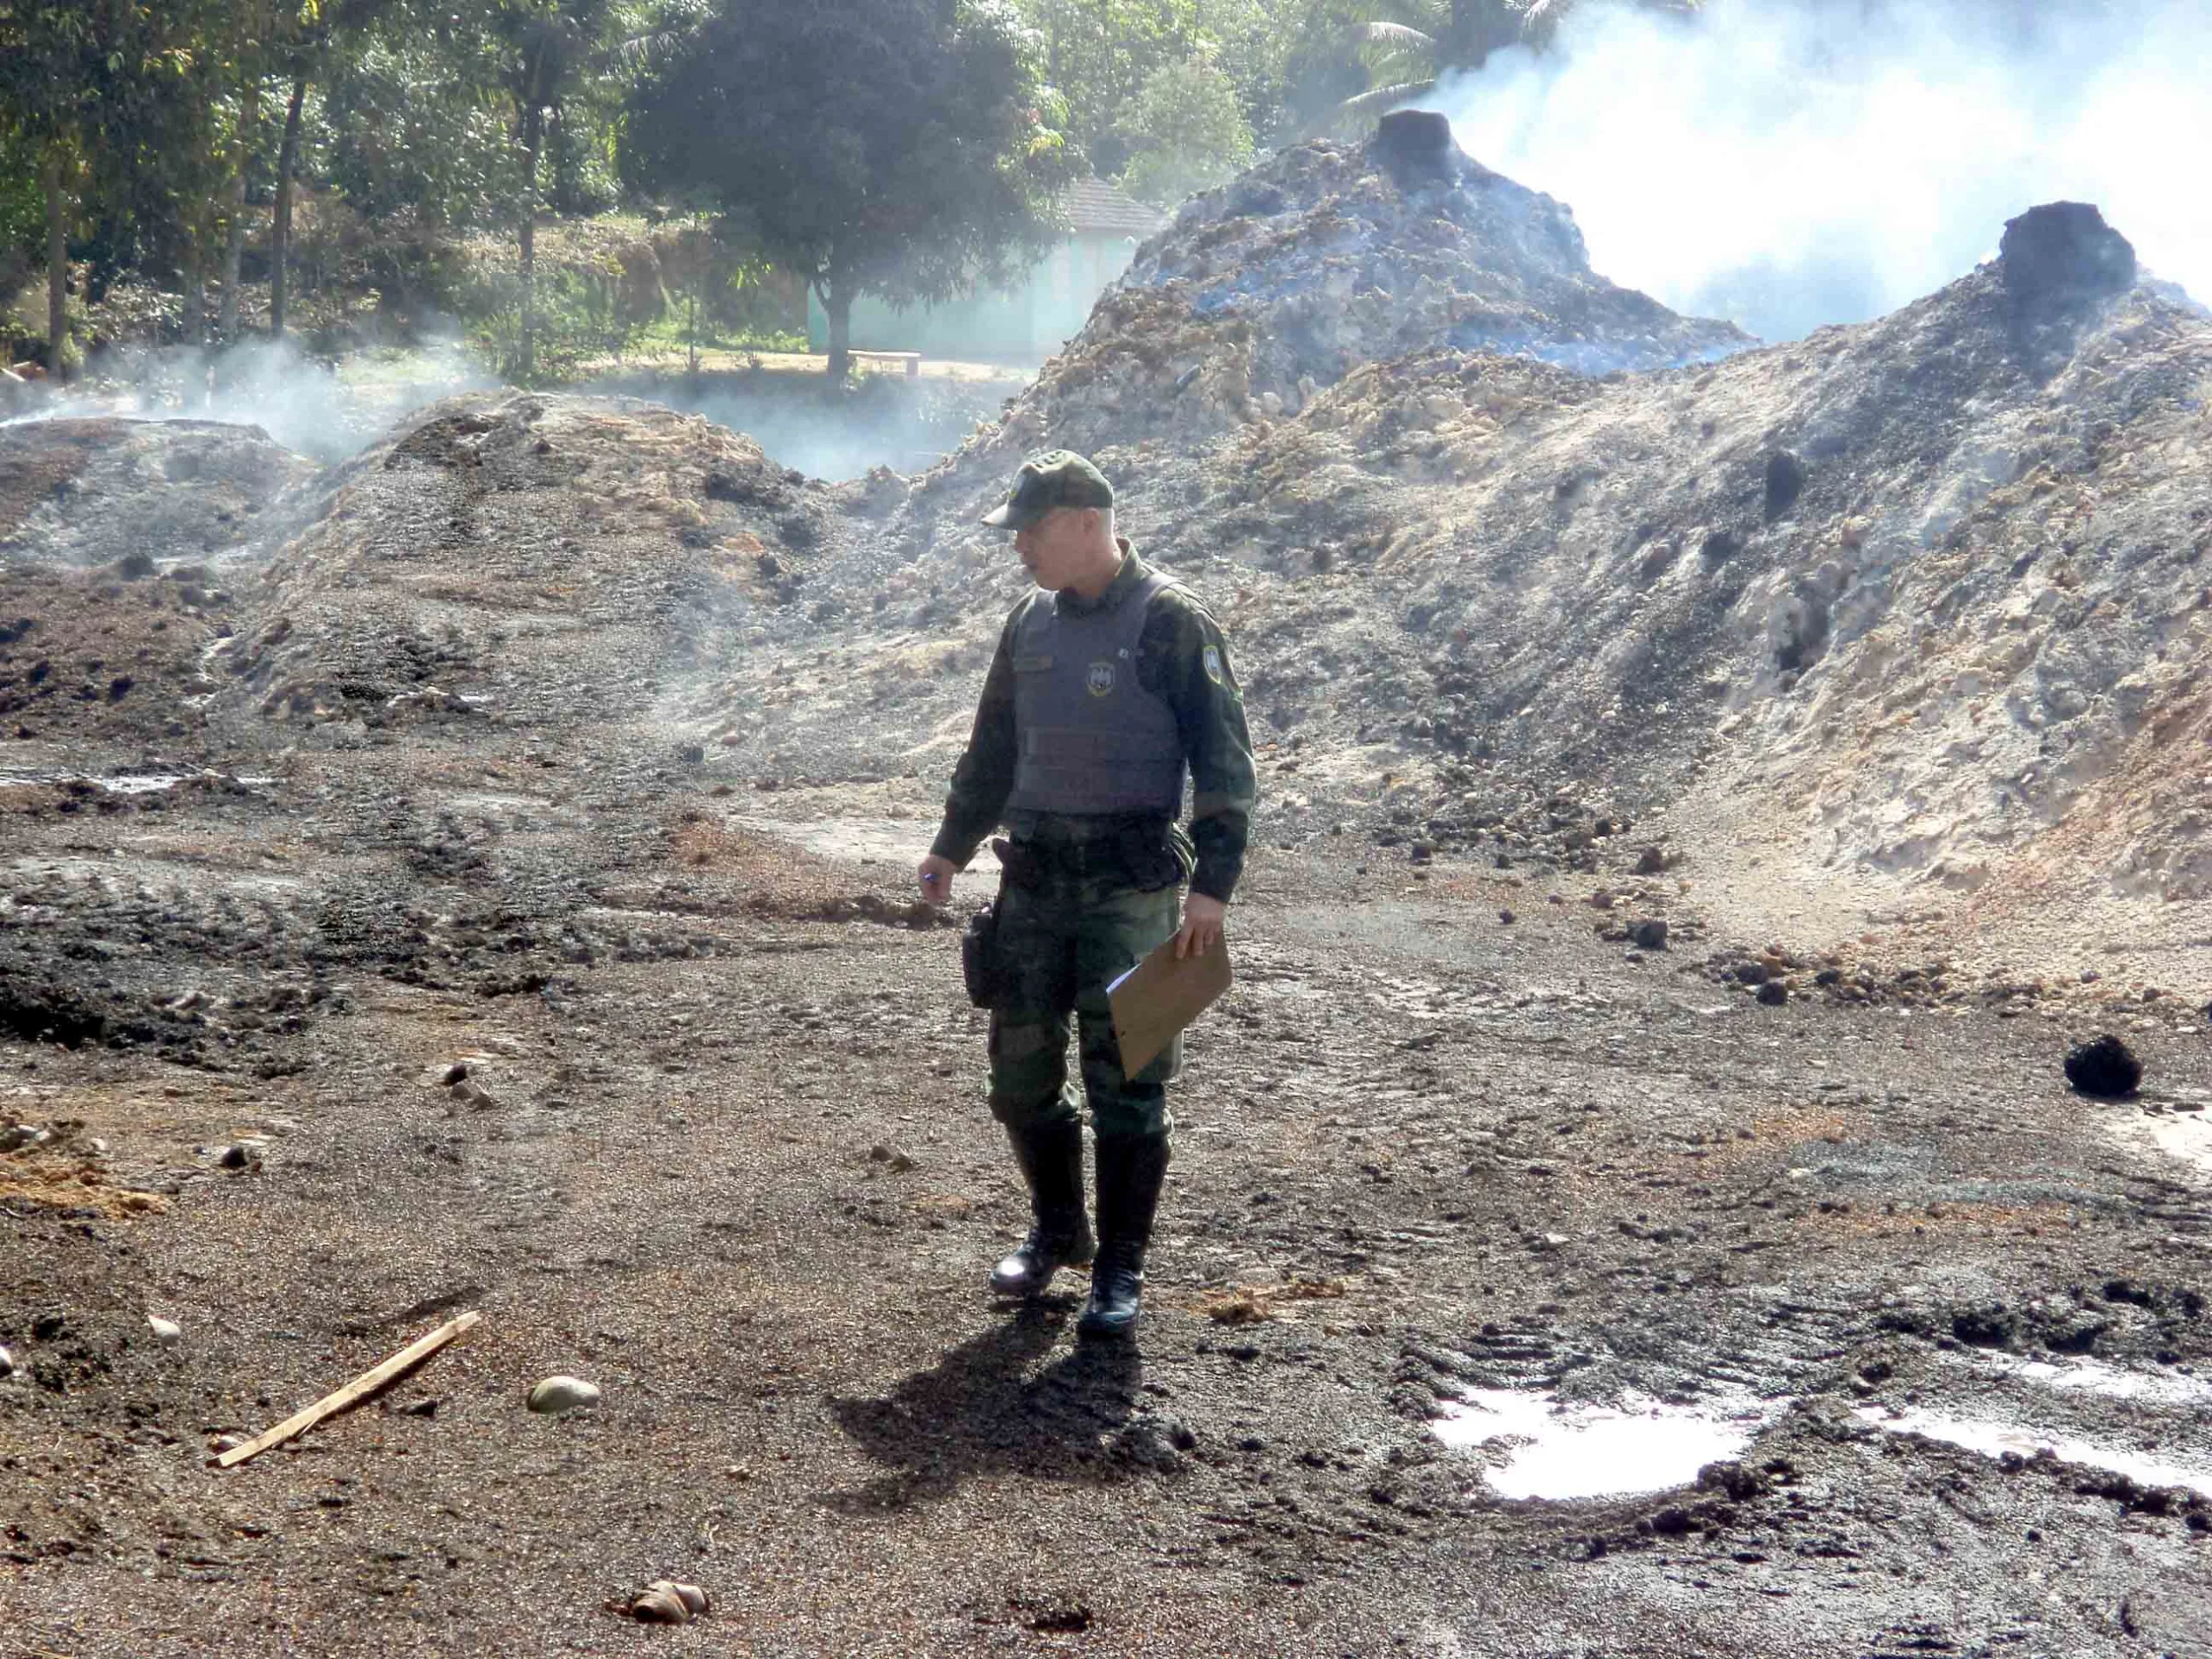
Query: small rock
point(1650, 934)
point(223, 1443)
point(891, 1157)
point(167, 1333)
point(2107, 1068)
point(660, 1607)
point(1423, 851)
point(241, 1155)
point(557, 1395)
point(693, 1597)
point(1773, 992)
point(457, 1072)
point(17, 1136)
point(1507, 917)
point(7, 1364)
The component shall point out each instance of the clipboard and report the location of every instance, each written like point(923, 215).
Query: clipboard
point(1158, 998)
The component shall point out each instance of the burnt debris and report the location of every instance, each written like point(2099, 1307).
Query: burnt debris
point(2064, 252)
point(2061, 265)
point(1416, 147)
point(2107, 1068)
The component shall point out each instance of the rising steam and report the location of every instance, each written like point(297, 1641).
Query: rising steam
point(306, 405)
point(1793, 164)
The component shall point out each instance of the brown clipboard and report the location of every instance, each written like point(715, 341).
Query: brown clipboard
point(1155, 1000)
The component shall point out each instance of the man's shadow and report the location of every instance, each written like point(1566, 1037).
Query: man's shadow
point(979, 1410)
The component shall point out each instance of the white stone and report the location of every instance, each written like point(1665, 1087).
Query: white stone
point(167, 1333)
point(556, 1394)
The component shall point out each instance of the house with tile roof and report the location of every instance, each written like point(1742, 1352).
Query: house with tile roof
point(1029, 321)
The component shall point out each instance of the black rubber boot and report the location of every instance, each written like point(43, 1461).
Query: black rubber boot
point(1051, 1157)
point(1130, 1170)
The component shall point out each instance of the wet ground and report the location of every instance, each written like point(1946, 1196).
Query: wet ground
point(1516, 1293)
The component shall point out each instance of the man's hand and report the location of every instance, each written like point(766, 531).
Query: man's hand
point(936, 875)
point(1201, 928)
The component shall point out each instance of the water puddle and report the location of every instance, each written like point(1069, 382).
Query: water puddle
point(132, 783)
point(2113, 1382)
point(1534, 1447)
point(1992, 1439)
point(2184, 1135)
point(864, 841)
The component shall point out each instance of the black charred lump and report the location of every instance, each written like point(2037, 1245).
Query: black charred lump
point(2063, 251)
point(2107, 1068)
point(1416, 147)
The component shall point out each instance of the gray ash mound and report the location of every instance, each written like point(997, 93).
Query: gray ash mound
point(1328, 256)
point(83, 493)
point(123, 544)
point(543, 562)
point(1921, 601)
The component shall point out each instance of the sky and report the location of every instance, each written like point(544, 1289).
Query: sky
point(1787, 164)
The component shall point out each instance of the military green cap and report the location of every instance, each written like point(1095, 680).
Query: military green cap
point(1059, 478)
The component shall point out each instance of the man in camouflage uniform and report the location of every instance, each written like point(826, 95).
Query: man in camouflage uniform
point(1110, 683)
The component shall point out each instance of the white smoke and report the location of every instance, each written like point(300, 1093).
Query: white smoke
point(308, 406)
point(1788, 165)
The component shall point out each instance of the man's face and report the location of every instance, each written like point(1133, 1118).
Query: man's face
point(1052, 549)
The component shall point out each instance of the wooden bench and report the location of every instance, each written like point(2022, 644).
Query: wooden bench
point(912, 360)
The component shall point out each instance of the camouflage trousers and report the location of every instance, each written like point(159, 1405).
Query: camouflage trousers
point(1060, 943)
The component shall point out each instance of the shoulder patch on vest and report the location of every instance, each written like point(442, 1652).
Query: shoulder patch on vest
point(1210, 658)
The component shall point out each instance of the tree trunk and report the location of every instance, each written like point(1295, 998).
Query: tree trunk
point(837, 303)
point(280, 250)
point(226, 320)
point(57, 269)
point(195, 285)
point(533, 143)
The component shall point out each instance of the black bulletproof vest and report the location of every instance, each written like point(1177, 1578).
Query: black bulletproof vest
point(1092, 740)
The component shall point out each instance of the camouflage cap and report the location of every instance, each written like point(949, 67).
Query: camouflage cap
point(1059, 478)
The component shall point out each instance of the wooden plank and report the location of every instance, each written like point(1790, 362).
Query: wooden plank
point(353, 1393)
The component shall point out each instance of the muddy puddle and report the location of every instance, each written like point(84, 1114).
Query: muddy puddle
point(2156, 1437)
point(896, 842)
point(1532, 1447)
point(1994, 1437)
point(129, 783)
point(2185, 1133)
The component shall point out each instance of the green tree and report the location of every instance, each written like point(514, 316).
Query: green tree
point(904, 147)
point(53, 66)
point(1407, 45)
point(1189, 133)
point(550, 47)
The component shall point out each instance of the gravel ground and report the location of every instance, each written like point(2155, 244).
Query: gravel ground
point(488, 892)
point(736, 1170)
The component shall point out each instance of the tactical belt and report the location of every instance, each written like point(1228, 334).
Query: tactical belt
point(1142, 852)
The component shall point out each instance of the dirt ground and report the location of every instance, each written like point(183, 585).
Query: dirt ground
point(732, 1165)
point(489, 891)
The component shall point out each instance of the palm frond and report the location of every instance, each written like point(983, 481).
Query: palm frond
point(1373, 106)
point(1541, 15)
point(1402, 37)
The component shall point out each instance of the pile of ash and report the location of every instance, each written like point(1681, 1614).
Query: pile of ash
point(1328, 256)
point(79, 494)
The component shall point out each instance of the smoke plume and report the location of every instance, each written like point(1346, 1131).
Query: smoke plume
point(1790, 165)
point(312, 409)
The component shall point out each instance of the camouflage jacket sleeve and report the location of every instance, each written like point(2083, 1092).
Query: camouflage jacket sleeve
point(984, 777)
point(1183, 659)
